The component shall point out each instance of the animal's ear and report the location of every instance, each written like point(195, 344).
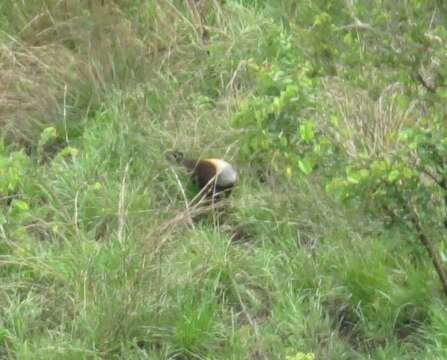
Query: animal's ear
point(179, 156)
point(174, 156)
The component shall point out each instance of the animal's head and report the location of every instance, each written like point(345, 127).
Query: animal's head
point(174, 156)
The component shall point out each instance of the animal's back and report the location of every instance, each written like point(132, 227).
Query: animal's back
point(215, 174)
point(226, 174)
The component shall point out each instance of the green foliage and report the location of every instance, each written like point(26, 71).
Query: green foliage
point(414, 173)
point(405, 178)
point(14, 168)
point(275, 118)
point(49, 134)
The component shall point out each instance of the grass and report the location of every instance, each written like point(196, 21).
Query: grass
point(100, 259)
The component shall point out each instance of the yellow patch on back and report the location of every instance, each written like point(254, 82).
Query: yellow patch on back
point(226, 175)
point(219, 164)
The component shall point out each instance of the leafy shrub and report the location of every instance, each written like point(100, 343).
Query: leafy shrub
point(14, 167)
point(276, 119)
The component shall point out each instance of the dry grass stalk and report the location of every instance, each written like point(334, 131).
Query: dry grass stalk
point(365, 125)
point(158, 238)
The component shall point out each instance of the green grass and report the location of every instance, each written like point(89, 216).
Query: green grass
point(98, 256)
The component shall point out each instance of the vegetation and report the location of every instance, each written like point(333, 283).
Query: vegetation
point(331, 247)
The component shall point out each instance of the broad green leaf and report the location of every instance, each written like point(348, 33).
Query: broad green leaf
point(47, 134)
point(291, 91)
point(20, 205)
point(353, 176)
point(307, 131)
point(364, 173)
point(393, 175)
point(305, 165)
point(69, 151)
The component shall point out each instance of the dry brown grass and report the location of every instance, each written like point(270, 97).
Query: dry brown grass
point(34, 80)
point(365, 125)
point(60, 58)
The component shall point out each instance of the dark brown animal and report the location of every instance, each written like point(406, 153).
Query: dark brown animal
point(213, 176)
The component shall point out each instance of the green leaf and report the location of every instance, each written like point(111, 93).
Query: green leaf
point(47, 134)
point(407, 173)
point(348, 39)
point(277, 105)
point(413, 146)
point(306, 165)
point(353, 176)
point(69, 151)
point(393, 175)
point(307, 131)
point(4, 334)
point(291, 91)
point(20, 205)
point(378, 168)
point(19, 210)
